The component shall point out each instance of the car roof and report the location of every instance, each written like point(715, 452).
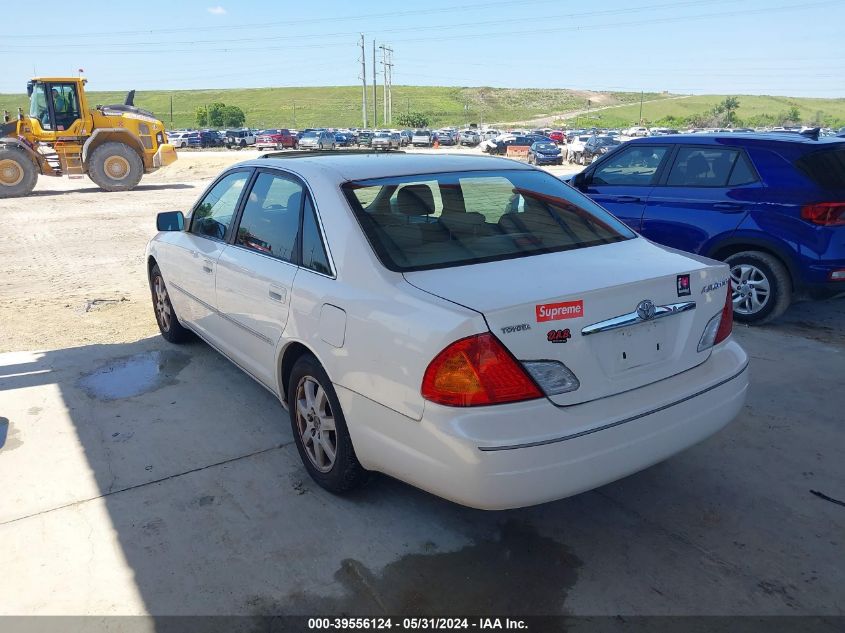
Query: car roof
point(345, 166)
point(719, 138)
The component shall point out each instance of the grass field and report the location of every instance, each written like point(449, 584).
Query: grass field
point(751, 109)
point(341, 105)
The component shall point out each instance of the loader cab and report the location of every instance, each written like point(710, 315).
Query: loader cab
point(55, 104)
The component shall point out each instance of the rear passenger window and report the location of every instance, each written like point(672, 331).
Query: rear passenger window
point(270, 220)
point(313, 253)
point(743, 173)
point(702, 167)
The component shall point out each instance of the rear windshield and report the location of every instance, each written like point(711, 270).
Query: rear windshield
point(422, 133)
point(826, 168)
point(451, 219)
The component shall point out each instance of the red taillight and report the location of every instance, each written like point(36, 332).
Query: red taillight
point(825, 213)
point(727, 323)
point(474, 371)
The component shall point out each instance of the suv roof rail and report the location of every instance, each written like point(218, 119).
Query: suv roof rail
point(304, 153)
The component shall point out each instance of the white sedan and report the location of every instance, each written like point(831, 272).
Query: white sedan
point(470, 325)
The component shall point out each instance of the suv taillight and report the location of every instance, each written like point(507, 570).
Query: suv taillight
point(474, 371)
point(825, 213)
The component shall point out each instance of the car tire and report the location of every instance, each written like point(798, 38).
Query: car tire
point(115, 166)
point(168, 323)
point(312, 402)
point(751, 273)
point(18, 174)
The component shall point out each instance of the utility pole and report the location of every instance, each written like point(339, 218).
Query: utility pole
point(642, 92)
point(387, 71)
point(375, 111)
point(294, 115)
point(363, 82)
point(171, 110)
point(390, 86)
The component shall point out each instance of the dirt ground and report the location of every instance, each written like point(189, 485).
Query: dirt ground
point(72, 256)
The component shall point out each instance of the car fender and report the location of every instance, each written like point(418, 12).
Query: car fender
point(741, 239)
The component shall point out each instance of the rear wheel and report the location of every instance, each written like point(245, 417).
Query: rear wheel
point(762, 288)
point(115, 167)
point(18, 174)
point(319, 428)
point(168, 322)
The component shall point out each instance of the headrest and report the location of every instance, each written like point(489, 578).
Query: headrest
point(415, 200)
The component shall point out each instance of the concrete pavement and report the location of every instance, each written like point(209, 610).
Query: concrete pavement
point(181, 492)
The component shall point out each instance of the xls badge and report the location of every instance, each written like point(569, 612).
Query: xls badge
point(558, 336)
point(714, 286)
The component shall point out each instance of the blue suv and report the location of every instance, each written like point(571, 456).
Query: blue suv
point(770, 205)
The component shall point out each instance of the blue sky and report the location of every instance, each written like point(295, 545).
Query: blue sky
point(784, 47)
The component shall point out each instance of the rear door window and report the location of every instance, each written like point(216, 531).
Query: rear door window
point(702, 167)
point(270, 220)
point(634, 165)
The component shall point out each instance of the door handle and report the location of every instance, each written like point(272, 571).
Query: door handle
point(208, 266)
point(626, 199)
point(277, 293)
point(729, 206)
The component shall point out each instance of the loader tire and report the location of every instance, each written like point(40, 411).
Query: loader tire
point(115, 166)
point(18, 173)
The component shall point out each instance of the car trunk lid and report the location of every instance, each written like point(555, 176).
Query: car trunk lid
point(580, 308)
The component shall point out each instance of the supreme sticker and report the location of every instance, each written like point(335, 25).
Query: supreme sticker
point(557, 311)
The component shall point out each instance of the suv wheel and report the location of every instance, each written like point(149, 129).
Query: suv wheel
point(762, 288)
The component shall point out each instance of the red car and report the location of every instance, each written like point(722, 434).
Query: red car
point(275, 139)
point(557, 136)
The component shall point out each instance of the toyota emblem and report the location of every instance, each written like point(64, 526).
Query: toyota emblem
point(646, 310)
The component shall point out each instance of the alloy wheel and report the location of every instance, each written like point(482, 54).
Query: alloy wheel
point(162, 305)
point(751, 289)
point(315, 423)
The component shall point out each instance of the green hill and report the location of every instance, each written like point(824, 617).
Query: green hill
point(754, 110)
point(341, 106)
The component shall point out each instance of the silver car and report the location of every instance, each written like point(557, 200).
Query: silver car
point(317, 140)
point(386, 140)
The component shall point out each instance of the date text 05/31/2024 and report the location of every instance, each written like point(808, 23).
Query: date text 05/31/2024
point(413, 624)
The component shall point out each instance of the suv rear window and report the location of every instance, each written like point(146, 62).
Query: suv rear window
point(826, 168)
point(442, 220)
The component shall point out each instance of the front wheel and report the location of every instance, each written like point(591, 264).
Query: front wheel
point(168, 323)
point(761, 286)
point(18, 174)
point(115, 166)
point(319, 428)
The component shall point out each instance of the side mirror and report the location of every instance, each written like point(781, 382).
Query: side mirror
point(581, 180)
point(170, 221)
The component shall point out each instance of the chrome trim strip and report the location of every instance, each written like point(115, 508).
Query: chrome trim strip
point(632, 318)
point(612, 424)
point(214, 310)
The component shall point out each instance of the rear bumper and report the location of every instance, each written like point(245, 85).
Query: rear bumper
point(818, 284)
point(523, 454)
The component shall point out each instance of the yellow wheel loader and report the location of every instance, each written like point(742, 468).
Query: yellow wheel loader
point(114, 145)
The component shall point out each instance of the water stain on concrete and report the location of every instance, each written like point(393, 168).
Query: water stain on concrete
point(518, 573)
point(134, 375)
